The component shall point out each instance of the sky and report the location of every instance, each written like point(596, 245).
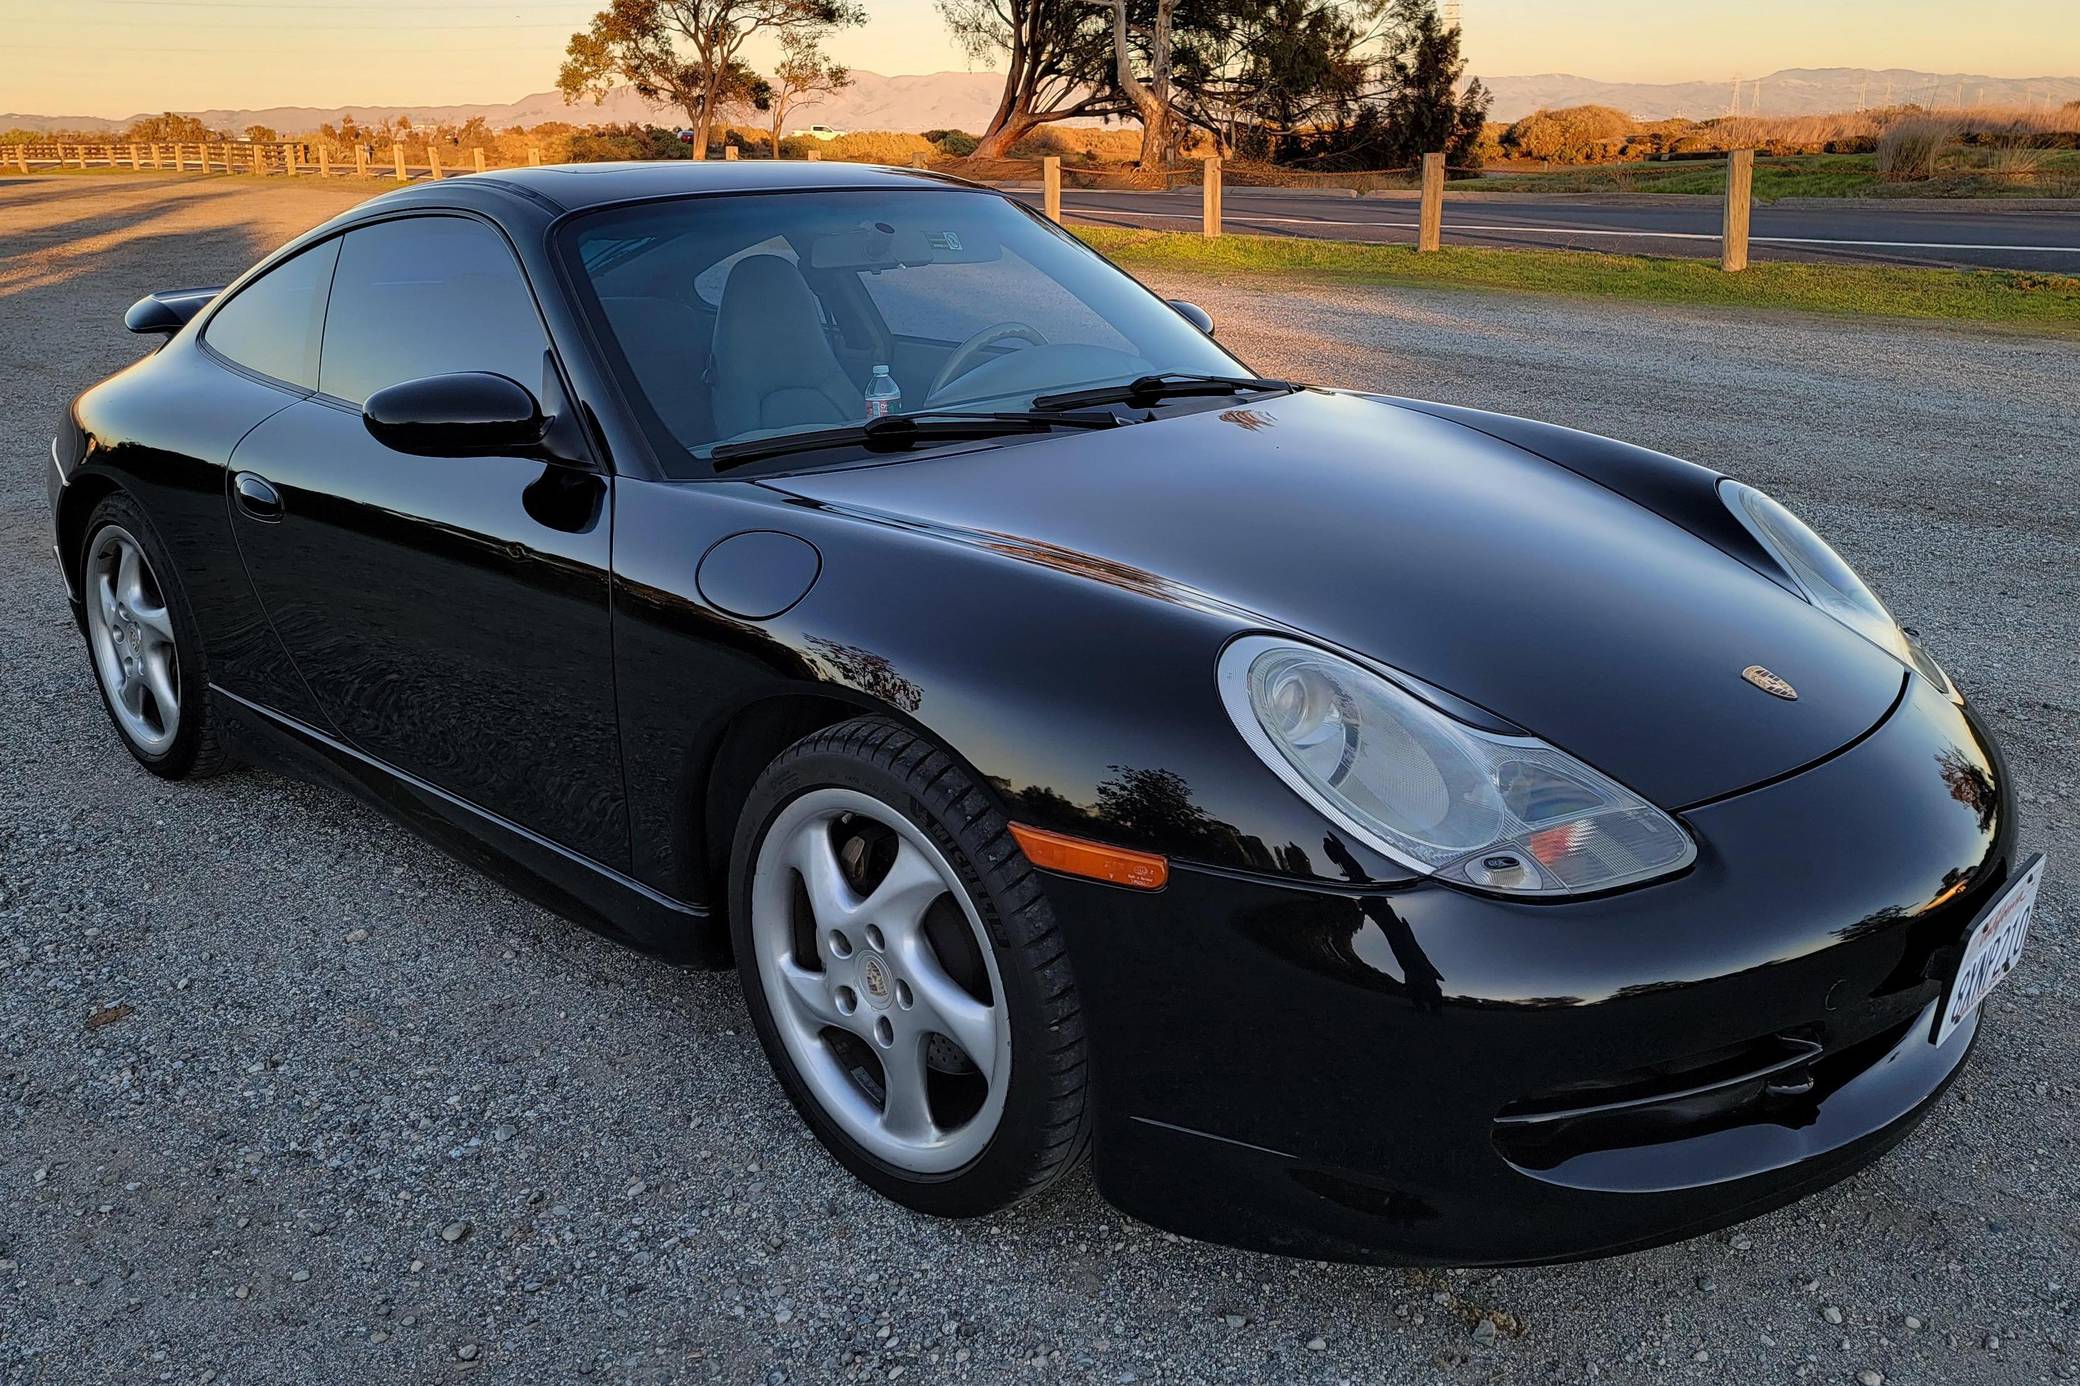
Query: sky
point(120, 57)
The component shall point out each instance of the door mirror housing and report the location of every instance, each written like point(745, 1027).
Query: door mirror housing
point(1193, 314)
point(467, 414)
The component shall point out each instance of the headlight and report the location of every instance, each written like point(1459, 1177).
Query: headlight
point(1826, 580)
point(1500, 812)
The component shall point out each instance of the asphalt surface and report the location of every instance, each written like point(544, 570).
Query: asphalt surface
point(285, 1095)
point(1973, 234)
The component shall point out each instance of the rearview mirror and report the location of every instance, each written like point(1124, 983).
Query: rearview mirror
point(1193, 314)
point(468, 414)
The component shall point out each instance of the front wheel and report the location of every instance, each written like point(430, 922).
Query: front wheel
point(905, 972)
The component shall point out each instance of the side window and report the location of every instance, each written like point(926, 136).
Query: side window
point(427, 296)
point(272, 325)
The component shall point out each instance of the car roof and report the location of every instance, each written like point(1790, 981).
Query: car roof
point(574, 186)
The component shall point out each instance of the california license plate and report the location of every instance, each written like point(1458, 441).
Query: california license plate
point(1992, 950)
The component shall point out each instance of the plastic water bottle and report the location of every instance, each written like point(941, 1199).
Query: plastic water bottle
point(884, 397)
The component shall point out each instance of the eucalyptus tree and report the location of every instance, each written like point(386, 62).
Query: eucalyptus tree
point(688, 52)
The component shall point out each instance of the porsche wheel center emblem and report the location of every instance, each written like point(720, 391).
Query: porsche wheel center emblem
point(875, 981)
point(1770, 683)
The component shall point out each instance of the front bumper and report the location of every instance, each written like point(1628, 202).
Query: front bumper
point(1424, 1075)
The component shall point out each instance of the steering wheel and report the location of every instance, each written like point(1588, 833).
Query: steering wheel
point(963, 358)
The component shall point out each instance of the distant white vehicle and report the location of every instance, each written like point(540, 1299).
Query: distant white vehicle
point(817, 132)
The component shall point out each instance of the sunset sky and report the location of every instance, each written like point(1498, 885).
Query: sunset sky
point(121, 57)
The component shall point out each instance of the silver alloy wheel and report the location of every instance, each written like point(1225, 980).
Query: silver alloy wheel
point(877, 978)
point(131, 634)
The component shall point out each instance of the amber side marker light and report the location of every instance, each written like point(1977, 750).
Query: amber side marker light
point(1075, 856)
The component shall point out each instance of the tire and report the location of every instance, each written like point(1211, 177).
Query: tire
point(875, 778)
point(190, 747)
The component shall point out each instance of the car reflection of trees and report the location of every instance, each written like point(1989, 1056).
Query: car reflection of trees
point(1969, 784)
point(865, 670)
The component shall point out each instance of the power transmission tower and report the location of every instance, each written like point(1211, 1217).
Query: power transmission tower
point(1735, 109)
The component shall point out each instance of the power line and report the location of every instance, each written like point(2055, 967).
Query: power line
point(420, 51)
point(280, 6)
point(189, 25)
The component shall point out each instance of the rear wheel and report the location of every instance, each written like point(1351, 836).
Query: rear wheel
point(905, 973)
point(142, 640)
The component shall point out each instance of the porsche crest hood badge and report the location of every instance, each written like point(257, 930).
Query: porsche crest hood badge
point(1770, 683)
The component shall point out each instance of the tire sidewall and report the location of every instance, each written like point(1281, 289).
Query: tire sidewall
point(998, 1174)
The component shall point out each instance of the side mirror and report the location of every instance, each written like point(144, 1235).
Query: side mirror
point(1193, 314)
point(468, 414)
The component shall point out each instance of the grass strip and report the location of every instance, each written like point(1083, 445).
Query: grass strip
point(2012, 297)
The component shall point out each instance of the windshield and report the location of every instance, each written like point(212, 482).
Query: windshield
point(746, 317)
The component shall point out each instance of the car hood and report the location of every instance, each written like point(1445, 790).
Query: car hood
point(1440, 551)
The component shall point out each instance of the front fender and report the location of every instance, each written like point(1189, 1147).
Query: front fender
point(1082, 694)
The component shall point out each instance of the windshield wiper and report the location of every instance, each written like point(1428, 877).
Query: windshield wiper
point(1149, 388)
point(895, 432)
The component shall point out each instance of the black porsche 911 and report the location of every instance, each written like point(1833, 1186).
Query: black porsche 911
point(1368, 828)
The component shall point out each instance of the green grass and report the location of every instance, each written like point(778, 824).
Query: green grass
point(1807, 175)
point(1983, 296)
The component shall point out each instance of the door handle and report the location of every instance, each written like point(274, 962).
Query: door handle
point(256, 496)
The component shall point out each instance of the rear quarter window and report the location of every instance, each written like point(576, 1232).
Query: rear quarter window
point(273, 325)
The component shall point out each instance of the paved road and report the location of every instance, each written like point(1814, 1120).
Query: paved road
point(1970, 235)
point(258, 1048)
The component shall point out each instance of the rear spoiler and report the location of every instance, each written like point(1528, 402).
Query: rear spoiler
point(167, 311)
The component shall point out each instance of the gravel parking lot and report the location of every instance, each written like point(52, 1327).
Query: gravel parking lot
point(287, 1096)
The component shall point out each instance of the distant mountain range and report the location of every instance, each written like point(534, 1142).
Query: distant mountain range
point(965, 101)
point(1793, 91)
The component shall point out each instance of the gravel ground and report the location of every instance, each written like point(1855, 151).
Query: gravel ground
point(285, 1095)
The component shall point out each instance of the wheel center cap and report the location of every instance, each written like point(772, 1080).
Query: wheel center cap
point(877, 980)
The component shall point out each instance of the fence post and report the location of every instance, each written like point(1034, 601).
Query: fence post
point(815, 155)
point(397, 158)
point(1740, 200)
point(433, 161)
point(477, 157)
point(21, 152)
point(324, 161)
point(1051, 186)
point(534, 154)
point(136, 159)
point(917, 161)
point(1430, 231)
point(1210, 191)
point(361, 161)
point(290, 160)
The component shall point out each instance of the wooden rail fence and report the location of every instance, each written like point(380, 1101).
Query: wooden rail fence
point(292, 158)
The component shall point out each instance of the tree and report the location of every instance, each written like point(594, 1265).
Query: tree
point(171, 128)
point(687, 52)
point(1150, 99)
point(803, 71)
point(261, 134)
point(1420, 73)
point(1256, 73)
point(1057, 57)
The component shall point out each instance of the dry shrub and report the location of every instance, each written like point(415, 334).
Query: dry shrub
point(2015, 159)
point(1908, 149)
point(861, 147)
point(1572, 135)
point(1083, 143)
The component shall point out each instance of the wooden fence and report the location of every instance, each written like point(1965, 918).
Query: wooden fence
point(293, 158)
